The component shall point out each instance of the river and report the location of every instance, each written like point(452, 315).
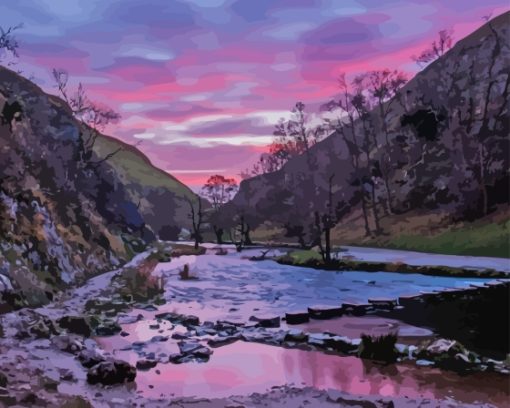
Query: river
point(234, 288)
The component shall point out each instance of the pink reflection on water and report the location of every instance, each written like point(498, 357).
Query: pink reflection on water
point(244, 368)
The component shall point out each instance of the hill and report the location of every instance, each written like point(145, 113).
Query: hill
point(64, 218)
point(436, 160)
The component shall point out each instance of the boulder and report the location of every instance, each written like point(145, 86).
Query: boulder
point(76, 324)
point(297, 317)
point(111, 372)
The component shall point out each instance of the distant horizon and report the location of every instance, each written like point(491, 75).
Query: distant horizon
point(203, 85)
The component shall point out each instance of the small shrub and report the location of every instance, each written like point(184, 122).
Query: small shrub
point(139, 282)
point(380, 348)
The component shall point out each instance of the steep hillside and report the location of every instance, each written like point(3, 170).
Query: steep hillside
point(160, 197)
point(440, 156)
point(63, 218)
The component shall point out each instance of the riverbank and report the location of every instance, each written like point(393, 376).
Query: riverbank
point(312, 259)
point(48, 354)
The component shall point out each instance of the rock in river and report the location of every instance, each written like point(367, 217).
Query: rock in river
point(111, 372)
point(266, 321)
point(76, 324)
point(324, 312)
point(297, 317)
point(145, 365)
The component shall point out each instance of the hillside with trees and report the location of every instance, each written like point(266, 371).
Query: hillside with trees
point(402, 157)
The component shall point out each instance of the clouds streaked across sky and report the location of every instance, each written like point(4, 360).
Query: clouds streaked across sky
point(202, 82)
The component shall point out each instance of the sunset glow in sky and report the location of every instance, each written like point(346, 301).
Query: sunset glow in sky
point(202, 82)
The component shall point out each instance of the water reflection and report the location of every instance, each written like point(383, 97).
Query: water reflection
point(243, 368)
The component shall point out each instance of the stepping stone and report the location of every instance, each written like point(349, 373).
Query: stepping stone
point(325, 312)
point(407, 300)
point(297, 317)
point(357, 309)
point(266, 321)
point(383, 303)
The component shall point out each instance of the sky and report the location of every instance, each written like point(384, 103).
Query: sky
point(202, 82)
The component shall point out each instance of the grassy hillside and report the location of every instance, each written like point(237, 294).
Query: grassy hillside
point(136, 167)
point(476, 240)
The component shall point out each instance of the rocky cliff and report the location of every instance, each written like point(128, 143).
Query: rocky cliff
point(441, 149)
point(63, 218)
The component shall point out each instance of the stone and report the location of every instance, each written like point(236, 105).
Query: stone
point(222, 341)
point(295, 335)
point(179, 336)
point(356, 309)
point(266, 321)
point(424, 363)
point(443, 346)
point(202, 352)
point(297, 317)
point(188, 347)
point(102, 304)
point(383, 303)
point(408, 300)
point(68, 343)
point(340, 344)
point(176, 318)
point(111, 372)
point(145, 365)
point(108, 328)
point(155, 339)
point(127, 319)
point(90, 357)
point(324, 312)
point(76, 324)
point(318, 339)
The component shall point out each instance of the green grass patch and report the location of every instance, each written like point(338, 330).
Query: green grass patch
point(485, 240)
point(304, 257)
point(311, 259)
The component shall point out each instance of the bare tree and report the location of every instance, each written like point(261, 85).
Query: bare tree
point(196, 217)
point(367, 145)
point(345, 125)
point(94, 118)
point(8, 44)
point(325, 222)
point(438, 48)
point(383, 86)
